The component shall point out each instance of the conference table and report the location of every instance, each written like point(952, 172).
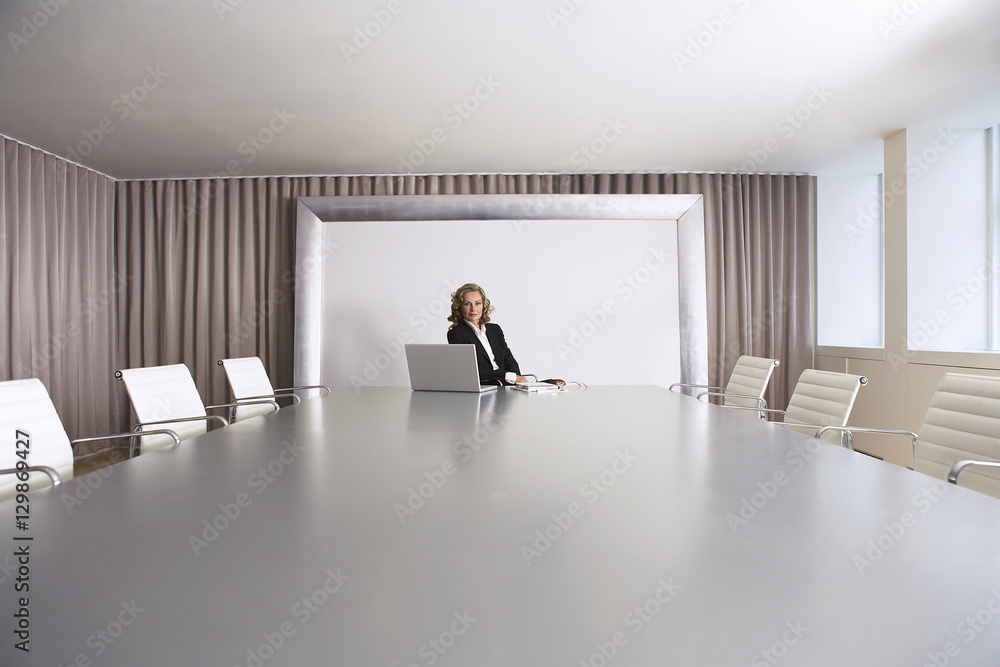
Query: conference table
point(624, 526)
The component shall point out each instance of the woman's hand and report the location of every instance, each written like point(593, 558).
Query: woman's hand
point(521, 378)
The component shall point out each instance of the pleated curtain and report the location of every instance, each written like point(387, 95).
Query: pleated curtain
point(58, 293)
point(203, 269)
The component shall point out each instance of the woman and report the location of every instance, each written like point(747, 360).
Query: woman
point(470, 324)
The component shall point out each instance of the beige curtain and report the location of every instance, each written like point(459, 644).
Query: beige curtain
point(100, 275)
point(57, 284)
point(210, 263)
point(758, 241)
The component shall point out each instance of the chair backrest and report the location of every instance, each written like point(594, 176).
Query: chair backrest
point(247, 378)
point(25, 406)
point(962, 422)
point(823, 398)
point(162, 393)
point(750, 378)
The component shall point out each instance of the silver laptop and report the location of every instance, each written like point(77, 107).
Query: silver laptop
point(444, 367)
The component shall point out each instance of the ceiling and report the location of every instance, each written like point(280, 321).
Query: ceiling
point(197, 88)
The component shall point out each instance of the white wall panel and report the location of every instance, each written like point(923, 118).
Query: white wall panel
point(948, 262)
point(590, 300)
point(849, 260)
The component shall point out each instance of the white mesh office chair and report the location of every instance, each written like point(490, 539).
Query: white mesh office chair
point(249, 382)
point(960, 432)
point(820, 398)
point(29, 423)
point(746, 385)
point(167, 396)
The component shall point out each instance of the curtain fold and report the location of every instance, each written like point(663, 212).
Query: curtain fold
point(57, 284)
point(101, 275)
point(240, 240)
point(758, 231)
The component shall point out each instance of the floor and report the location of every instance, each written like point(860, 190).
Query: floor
point(91, 462)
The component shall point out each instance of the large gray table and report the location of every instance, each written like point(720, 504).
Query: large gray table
point(541, 530)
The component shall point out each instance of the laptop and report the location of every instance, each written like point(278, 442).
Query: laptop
point(444, 367)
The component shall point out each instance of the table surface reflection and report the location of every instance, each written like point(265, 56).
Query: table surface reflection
point(613, 526)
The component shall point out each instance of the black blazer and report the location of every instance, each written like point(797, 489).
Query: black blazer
point(506, 362)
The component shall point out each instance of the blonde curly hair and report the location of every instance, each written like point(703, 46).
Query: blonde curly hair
point(458, 296)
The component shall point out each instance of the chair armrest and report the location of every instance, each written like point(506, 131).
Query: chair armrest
point(268, 397)
point(962, 465)
point(140, 434)
point(695, 386)
point(51, 472)
point(310, 386)
point(768, 410)
point(862, 429)
point(760, 401)
point(180, 419)
point(847, 443)
point(244, 403)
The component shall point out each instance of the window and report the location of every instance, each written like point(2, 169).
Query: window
point(952, 240)
point(849, 263)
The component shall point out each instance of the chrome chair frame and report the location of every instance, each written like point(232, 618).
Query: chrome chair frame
point(714, 390)
point(846, 440)
point(864, 429)
point(285, 392)
point(762, 403)
point(962, 465)
point(51, 472)
point(133, 447)
point(952, 476)
point(137, 432)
